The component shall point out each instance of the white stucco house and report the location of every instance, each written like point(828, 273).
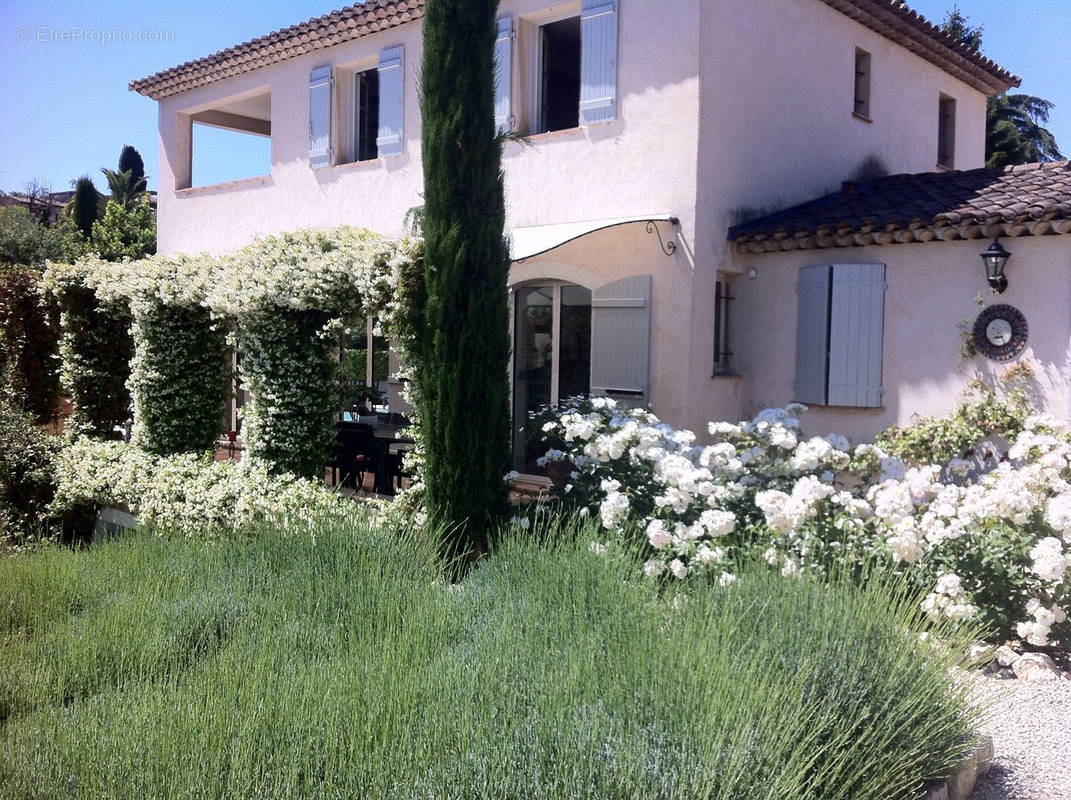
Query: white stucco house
point(654, 129)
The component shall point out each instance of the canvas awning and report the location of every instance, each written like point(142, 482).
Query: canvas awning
point(538, 239)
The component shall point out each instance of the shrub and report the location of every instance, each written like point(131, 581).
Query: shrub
point(188, 494)
point(125, 231)
point(938, 440)
point(292, 667)
point(28, 374)
point(27, 241)
point(994, 548)
point(26, 483)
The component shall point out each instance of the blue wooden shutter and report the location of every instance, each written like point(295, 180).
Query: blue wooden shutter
point(320, 117)
point(857, 321)
point(812, 335)
point(598, 61)
point(504, 75)
point(621, 339)
point(391, 138)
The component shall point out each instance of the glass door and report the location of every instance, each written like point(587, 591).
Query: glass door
point(551, 357)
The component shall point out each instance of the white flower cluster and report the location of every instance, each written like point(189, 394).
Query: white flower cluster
point(948, 599)
point(189, 495)
point(1036, 631)
point(797, 502)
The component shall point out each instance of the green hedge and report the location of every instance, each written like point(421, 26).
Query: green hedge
point(28, 340)
point(95, 350)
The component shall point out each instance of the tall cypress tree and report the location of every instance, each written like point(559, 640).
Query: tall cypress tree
point(464, 350)
point(85, 205)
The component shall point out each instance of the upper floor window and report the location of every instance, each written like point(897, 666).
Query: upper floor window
point(558, 100)
point(372, 109)
point(946, 131)
point(358, 99)
point(862, 83)
point(567, 72)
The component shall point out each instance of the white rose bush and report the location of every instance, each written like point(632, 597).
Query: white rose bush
point(996, 548)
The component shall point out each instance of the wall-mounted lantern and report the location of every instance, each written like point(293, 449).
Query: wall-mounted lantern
point(994, 258)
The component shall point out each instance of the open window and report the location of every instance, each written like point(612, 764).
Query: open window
point(358, 99)
point(572, 61)
point(369, 101)
point(231, 140)
point(558, 100)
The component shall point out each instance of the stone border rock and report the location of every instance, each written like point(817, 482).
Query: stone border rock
point(960, 784)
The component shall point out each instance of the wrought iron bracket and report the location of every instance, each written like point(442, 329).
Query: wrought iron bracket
point(669, 247)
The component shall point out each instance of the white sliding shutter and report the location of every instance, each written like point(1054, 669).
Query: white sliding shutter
point(504, 75)
point(320, 117)
point(598, 61)
point(391, 138)
point(621, 339)
point(812, 335)
point(857, 321)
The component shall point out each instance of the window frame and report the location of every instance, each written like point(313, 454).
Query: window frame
point(723, 299)
point(354, 120)
point(946, 131)
point(535, 84)
point(861, 87)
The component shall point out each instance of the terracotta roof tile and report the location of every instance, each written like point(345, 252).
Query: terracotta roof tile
point(890, 18)
point(337, 27)
point(894, 20)
point(1031, 199)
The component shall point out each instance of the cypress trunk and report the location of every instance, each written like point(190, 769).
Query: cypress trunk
point(463, 352)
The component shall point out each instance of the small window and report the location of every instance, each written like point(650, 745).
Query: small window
point(559, 85)
point(946, 131)
point(722, 353)
point(862, 83)
point(365, 120)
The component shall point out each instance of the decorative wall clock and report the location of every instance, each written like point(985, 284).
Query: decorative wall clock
point(1000, 332)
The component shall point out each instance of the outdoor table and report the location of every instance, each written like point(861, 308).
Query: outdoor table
point(385, 436)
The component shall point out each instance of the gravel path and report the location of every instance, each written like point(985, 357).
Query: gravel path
point(1031, 728)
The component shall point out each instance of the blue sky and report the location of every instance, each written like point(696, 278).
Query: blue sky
point(65, 109)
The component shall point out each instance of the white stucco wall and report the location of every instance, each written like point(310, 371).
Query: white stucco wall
point(930, 300)
point(641, 163)
point(777, 129)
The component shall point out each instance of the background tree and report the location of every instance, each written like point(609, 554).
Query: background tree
point(463, 351)
point(38, 196)
point(85, 205)
point(957, 25)
point(127, 184)
point(1015, 132)
point(130, 161)
point(24, 239)
point(125, 231)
